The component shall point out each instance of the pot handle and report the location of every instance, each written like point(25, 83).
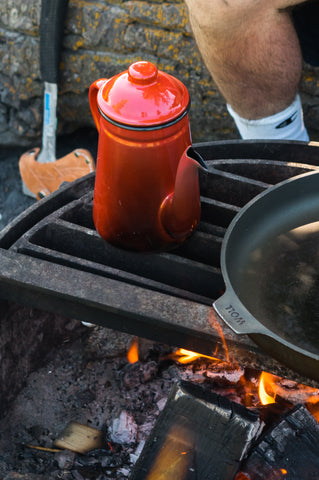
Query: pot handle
point(93, 91)
point(237, 317)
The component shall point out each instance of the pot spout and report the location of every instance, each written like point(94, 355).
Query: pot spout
point(180, 210)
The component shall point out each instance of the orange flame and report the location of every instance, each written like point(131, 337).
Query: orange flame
point(314, 409)
point(271, 386)
point(187, 356)
point(313, 406)
point(132, 354)
point(274, 475)
point(266, 382)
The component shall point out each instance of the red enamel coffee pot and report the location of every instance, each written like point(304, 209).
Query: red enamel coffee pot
point(146, 194)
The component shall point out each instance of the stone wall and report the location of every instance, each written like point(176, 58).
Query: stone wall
point(102, 38)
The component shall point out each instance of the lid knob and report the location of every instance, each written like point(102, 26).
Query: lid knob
point(142, 72)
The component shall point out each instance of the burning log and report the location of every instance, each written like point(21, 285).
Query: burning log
point(199, 434)
point(288, 451)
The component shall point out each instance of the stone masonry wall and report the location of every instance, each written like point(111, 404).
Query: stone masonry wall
point(102, 38)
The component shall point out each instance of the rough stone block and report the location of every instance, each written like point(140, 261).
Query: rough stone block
point(101, 39)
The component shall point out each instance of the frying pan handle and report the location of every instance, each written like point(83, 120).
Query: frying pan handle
point(230, 310)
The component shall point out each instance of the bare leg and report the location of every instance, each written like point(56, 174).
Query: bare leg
point(251, 50)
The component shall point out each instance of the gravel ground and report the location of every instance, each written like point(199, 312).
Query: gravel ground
point(12, 200)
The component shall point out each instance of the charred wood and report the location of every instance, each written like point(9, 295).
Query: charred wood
point(199, 435)
point(288, 451)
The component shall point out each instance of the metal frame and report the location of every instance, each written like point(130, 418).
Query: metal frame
point(32, 273)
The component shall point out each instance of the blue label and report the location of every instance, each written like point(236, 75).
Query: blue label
point(46, 109)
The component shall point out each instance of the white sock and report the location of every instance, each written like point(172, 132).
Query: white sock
point(285, 125)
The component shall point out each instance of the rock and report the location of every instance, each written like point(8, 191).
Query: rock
point(101, 39)
point(65, 459)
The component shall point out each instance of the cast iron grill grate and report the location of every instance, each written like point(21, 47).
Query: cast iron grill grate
point(52, 258)
point(67, 235)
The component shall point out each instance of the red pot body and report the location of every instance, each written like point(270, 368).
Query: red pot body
point(136, 171)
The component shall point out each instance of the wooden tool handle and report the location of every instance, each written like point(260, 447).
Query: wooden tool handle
point(51, 35)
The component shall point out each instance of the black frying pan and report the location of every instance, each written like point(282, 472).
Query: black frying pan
point(270, 265)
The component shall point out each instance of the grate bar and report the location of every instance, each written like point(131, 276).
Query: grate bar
point(216, 213)
point(138, 311)
point(267, 172)
point(228, 188)
point(66, 244)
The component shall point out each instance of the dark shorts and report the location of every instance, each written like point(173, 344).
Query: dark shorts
point(306, 19)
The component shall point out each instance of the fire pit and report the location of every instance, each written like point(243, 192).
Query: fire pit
point(52, 259)
point(88, 381)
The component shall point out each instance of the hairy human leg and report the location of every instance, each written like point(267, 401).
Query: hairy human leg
point(251, 50)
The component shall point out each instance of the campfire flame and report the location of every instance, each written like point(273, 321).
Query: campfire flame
point(181, 355)
point(272, 386)
point(132, 354)
point(266, 383)
point(187, 356)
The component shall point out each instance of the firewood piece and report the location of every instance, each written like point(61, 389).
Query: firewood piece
point(199, 435)
point(289, 451)
point(79, 438)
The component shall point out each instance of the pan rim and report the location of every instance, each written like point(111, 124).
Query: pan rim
point(261, 329)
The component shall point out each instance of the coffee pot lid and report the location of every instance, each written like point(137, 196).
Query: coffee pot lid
point(143, 96)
